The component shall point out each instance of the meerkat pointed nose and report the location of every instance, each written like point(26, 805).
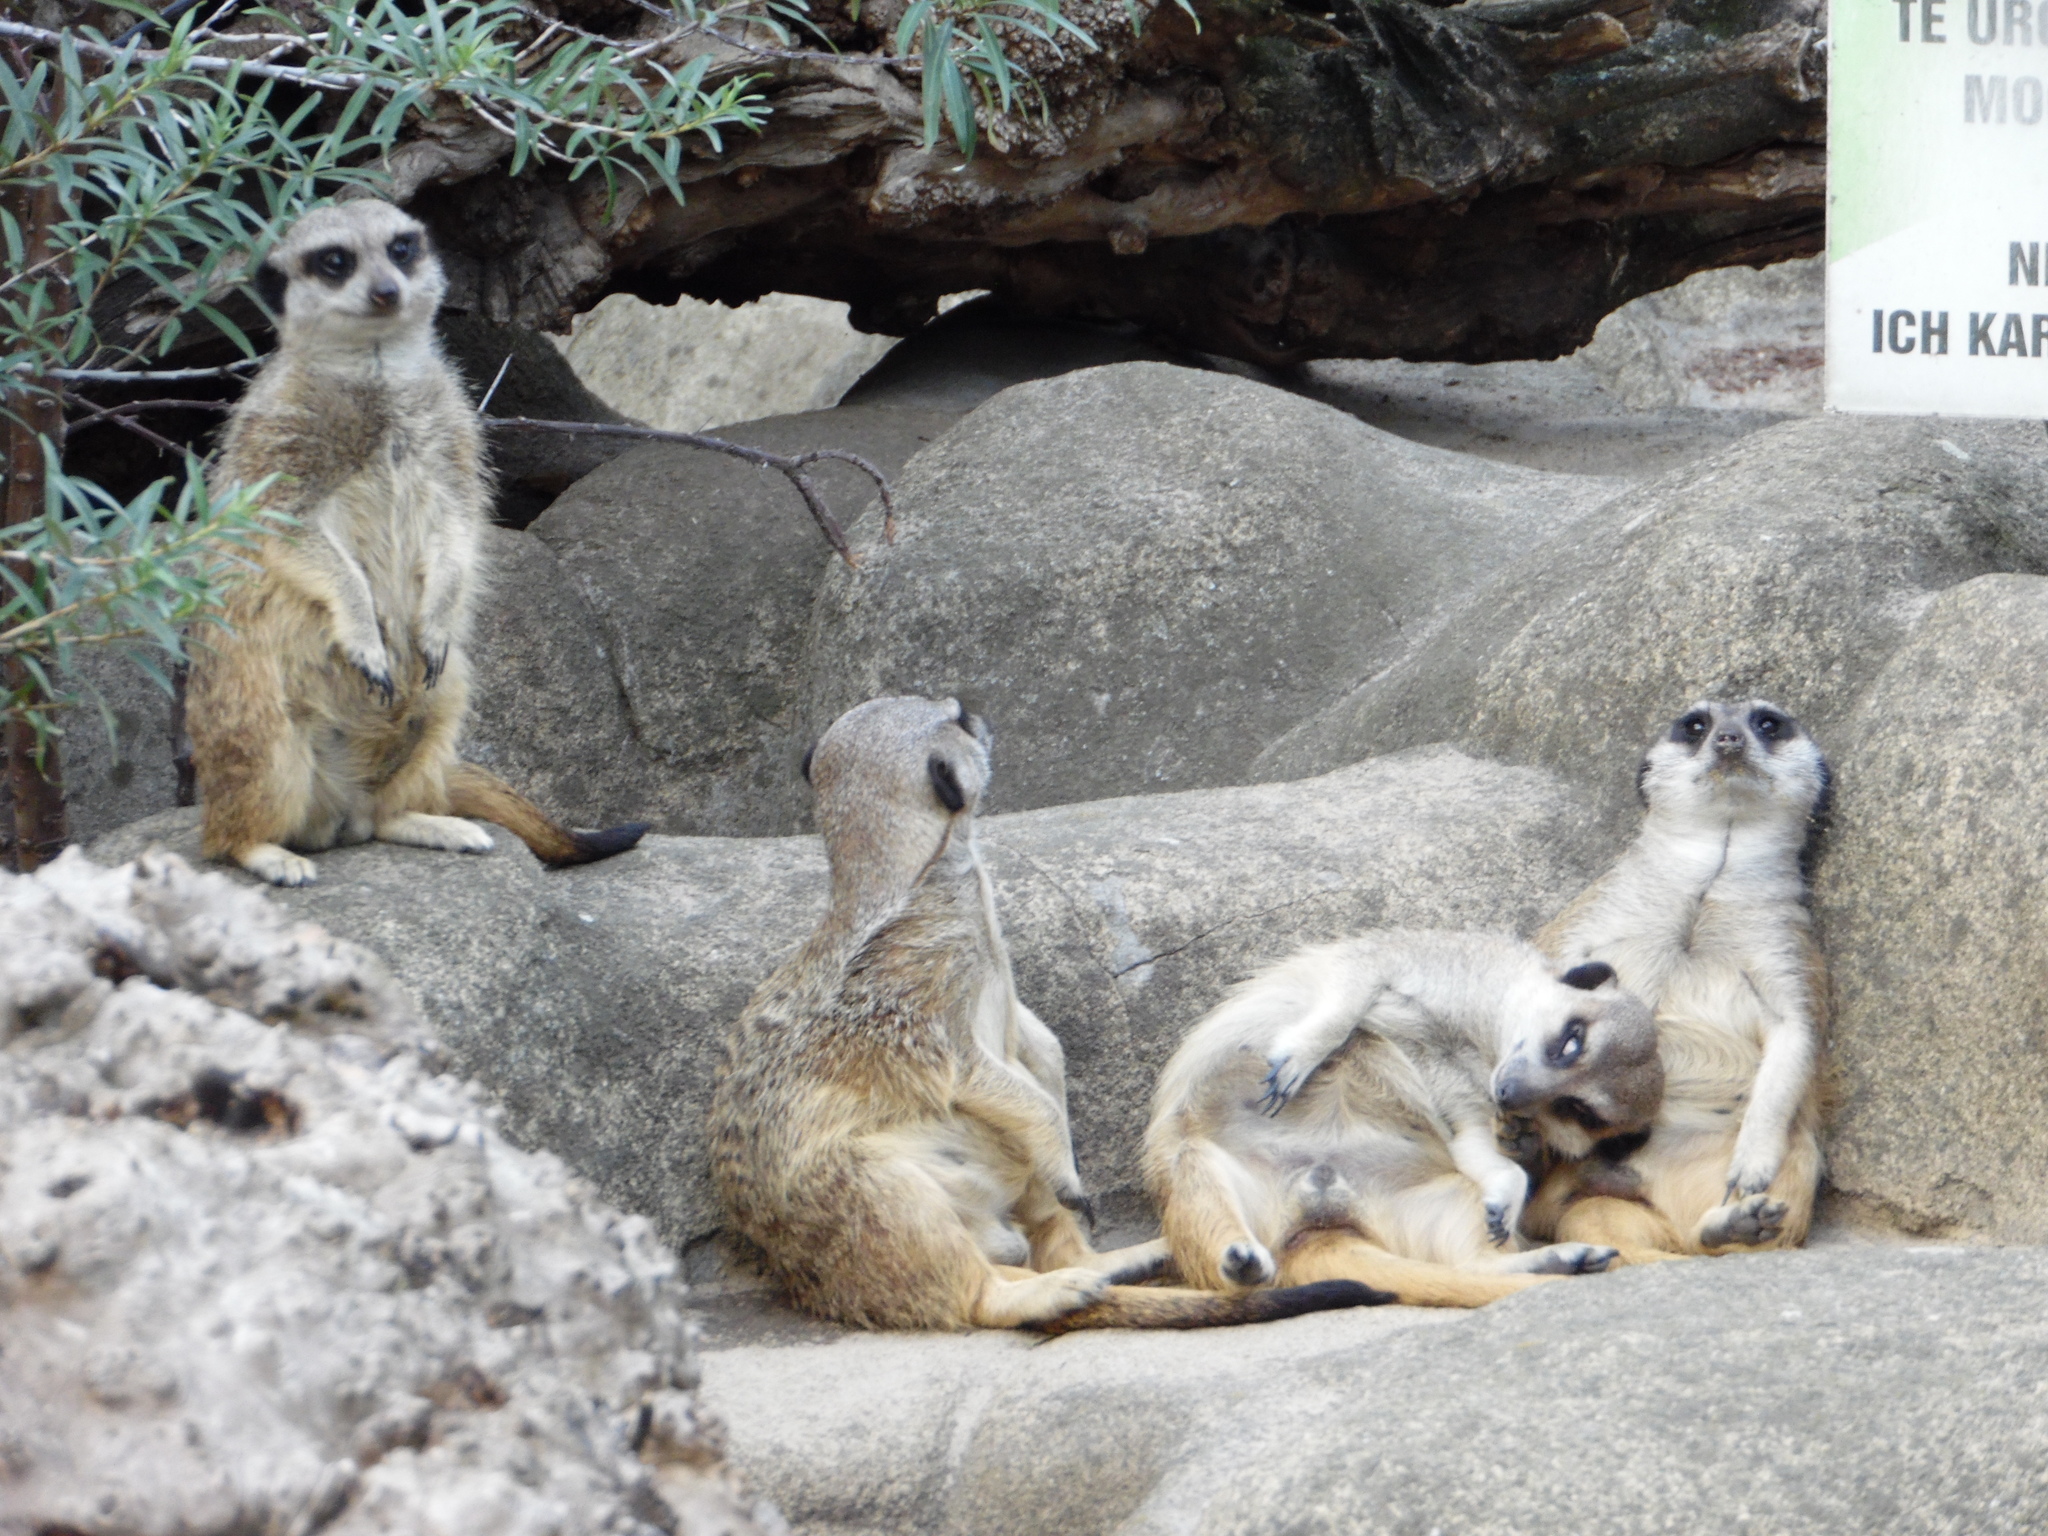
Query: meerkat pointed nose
point(1728, 741)
point(385, 295)
point(1512, 1091)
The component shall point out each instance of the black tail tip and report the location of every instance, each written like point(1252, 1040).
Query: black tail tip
point(1327, 1296)
point(592, 846)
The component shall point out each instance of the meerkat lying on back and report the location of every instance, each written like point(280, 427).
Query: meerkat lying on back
point(1706, 917)
point(889, 1126)
point(1334, 1116)
point(327, 707)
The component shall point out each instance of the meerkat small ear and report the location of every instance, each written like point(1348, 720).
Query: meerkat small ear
point(804, 767)
point(270, 283)
point(1643, 781)
point(1588, 977)
point(947, 784)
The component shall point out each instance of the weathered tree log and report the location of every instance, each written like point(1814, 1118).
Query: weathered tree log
point(1384, 178)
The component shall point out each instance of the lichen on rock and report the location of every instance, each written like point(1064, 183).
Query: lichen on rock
point(264, 1267)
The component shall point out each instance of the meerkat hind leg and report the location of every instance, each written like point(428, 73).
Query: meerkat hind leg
point(1017, 1298)
point(1129, 1266)
point(1637, 1233)
point(1337, 1255)
point(452, 834)
point(1558, 1259)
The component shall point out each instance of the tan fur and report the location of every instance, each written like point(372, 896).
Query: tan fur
point(327, 704)
point(889, 1127)
point(1705, 916)
point(1333, 1118)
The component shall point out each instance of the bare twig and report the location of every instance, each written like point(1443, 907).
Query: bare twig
point(790, 466)
point(485, 403)
point(150, 376)
point(135, 408)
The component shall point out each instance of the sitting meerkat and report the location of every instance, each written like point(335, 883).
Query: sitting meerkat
point(1705, 915)
point(326, 705)
point(889, 1126)
point(1334, 1116)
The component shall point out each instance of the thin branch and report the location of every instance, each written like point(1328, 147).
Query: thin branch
point(790, 466)
point(149, 376)
point(135, 408)
point(485, 403)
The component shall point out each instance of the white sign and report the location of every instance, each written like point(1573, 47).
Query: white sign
point(1938, 207)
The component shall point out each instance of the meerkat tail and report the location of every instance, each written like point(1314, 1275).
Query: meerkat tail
point(1139, 1306)
point(476, 792)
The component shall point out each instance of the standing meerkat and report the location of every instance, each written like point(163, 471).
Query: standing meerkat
point(1334, 1116)
point(326, 706)
point(1705, 915)
point(889, 1127)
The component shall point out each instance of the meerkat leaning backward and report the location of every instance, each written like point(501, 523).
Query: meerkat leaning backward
point(1706, 917)
point(326, 707)
point(1334, 1116)
point(889, 1127)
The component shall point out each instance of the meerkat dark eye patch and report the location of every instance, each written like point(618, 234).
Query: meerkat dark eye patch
point(1580, 1113)
point(1771, 726)
point(332, 264)
point(404, 251)
point(1690, 729)
point(271, 283)
point(1594, 973)
point(946, 784)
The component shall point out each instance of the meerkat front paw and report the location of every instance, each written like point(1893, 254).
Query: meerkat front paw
point(1075, 1199)
point(375, 665)
point(1505, 1193)
point(1247, 1263)
point(280, 866)
point(1751, 1222)
point(1750, 1174)
point(1517, 1137)
point(1282, 1082)
point(434, 660)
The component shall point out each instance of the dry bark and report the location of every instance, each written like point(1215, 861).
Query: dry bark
point(1385, 178)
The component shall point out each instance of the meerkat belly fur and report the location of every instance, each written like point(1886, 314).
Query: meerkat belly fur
point(1706, 917)
point(327, 706)
point(1334, 1117)
point(889, 1128)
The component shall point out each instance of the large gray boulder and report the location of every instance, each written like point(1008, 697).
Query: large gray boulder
point(698, 572)
point(546, 710)
point(595, 1000)
point(1145, 574)
point(1847, 1390)
point(1933, 915)
point(1792, 566)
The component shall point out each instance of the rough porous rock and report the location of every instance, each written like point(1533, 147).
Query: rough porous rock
point(1145, 574)
point(1844, 1390)
point(699, 571)
point(1933, 910)
point(595, 1000)
point(1790, 566)
point(263, 1268)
